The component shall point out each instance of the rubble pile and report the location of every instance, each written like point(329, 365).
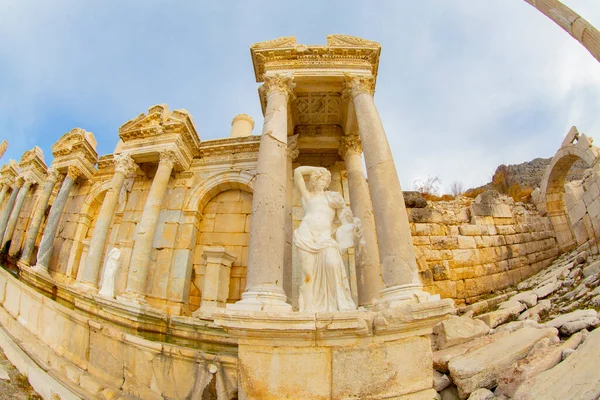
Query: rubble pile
point(536, 341)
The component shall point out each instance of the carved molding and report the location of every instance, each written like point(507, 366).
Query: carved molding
point(350, 144)
point(292, 147)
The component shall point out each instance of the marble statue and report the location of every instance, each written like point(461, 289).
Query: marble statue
point(111, 266)
point(325, 285)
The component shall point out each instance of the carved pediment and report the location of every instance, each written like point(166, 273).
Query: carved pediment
point(76, 148)
point(32, 165)
point(339, 40)
point(284, 41)
point(9, 172)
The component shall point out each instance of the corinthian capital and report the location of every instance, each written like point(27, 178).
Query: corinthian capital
point(73, 172)
point(123, 163)
point(19, 181)
point(359, 84)
point(167, 157)
point(350, 144)
point(52, 175)
point(279, 83)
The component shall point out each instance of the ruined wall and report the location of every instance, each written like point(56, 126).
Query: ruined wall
point(466, 256)
point(582, 202)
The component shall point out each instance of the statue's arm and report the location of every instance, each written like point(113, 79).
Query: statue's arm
point(299, 179)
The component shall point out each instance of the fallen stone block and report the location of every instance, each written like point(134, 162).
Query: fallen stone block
point(591, 269)
point(542, 307)
point(546, 290)
point(577, 377)
point(515, 325)
point(540, 359)
point(441, 358)
point(440, 381)
point(480, 368)
point(528, 298)
point(581, 257)
point(482, 394)
point(572, 327)
point(458, 330)
point(570, 317)
point(511, 310)
point(566, 353)
point(450, 393)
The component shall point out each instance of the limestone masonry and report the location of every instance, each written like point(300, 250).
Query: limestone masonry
point(167, 269)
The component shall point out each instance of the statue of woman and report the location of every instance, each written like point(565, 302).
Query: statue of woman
point(325, 283)
point(111, 266)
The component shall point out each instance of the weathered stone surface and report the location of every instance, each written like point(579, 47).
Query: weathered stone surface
point(440, 381)
point(414, 200)
point(570, 317)
point(591, 269)
point(479, 369)
point(546, 290)
point(577, 377)
point(441, 358)
point(527, 298)
point(450, 393)
point(516, 325)
point(458, 330)
point(572, 327)
point(534, 312)
point(507, 311)
point(539, 360)
point(482, 394)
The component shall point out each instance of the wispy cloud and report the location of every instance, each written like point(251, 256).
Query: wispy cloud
point(463, 85)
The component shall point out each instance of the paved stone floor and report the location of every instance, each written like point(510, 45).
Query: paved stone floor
point(17, 388)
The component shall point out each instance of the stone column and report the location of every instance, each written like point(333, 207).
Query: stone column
point(3, 147)
point(215, 289)
point(56, 211)
point(9, 207)
point(288, 273)
point(145, 229)
point(368, 269)
point(264, 280)
point(336, 179)
point(14, 215)
point(396, 253)
point(3, 192)
point(38, 216)
point(123, 165)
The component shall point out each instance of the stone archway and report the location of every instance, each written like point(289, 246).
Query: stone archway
point(575, 146)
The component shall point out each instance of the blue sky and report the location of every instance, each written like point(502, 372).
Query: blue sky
point(463, 86)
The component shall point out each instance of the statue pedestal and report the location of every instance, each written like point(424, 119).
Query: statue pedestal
point(374, 354)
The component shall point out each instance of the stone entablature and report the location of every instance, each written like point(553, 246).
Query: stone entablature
point(32, 166)
point(77, 149)
point(9, 172)
point(145, 136)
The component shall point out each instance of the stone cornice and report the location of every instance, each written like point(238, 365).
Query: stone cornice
point(32, 165)
point(229, 150)
point(9, 172)
point(76, 148)
point(342, 53)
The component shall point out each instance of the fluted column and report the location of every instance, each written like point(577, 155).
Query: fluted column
point(123, 165)
point(292, 154)
point(264, 279)
point(56, 211)
point(368, 269)
point(14, 215)
point(145, 229)
point(580, 29)
point(396, 253)
point(38, 216)
point(9, 206)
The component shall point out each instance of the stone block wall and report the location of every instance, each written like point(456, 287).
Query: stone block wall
point(466, 257)
point(582, 202)
point(18, 237)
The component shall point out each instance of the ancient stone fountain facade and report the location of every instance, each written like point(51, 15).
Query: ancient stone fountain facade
point(206, 282)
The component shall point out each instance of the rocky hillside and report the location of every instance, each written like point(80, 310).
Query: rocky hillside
point(530, 173)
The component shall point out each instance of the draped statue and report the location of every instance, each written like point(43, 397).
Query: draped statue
point(325, 285)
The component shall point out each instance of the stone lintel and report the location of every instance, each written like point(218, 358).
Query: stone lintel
point(88, 170)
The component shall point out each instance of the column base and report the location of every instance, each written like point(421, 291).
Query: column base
point(23, 264)
point(267, 297)
point(41, 270)
point(404, 294)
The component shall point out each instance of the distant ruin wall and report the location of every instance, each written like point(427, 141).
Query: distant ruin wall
point(467, 249)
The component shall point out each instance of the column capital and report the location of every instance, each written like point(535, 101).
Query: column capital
point(52, 175)
point(124, 163)
point(359, 84)
point(74, 172)
point(19, 181)
point(350, 144)
point(279, 83)
point(167, 157)
point(292, 148)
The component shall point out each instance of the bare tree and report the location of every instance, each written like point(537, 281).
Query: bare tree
point(456, 188)
point(430, 186)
